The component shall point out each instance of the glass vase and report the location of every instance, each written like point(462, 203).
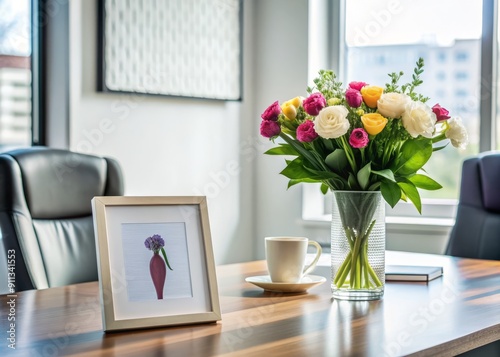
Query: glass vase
point(358, 245)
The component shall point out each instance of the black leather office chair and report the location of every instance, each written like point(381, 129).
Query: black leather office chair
point(476, 233)
point(46, 214)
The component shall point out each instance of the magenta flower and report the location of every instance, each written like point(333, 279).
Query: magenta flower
point(272, 112)
point(305, 132)
point(154, 243)
point(353, 97)
point(359, 138)
point(357, 85)
point(441, 113)
point(269, 128)
point(314, 103)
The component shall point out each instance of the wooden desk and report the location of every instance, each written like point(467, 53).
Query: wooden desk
point(450, 315)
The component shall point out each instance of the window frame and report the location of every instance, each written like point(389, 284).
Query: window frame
point(38, 57)
point(51, 73)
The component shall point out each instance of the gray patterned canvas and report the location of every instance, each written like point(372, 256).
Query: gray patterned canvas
point(188, 48)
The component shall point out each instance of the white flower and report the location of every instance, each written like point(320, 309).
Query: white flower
point(332, 122)
point(418, 119)
point(457, 133)
point(392, 105)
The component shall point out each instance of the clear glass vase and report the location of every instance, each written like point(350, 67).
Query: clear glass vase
point(358, 245)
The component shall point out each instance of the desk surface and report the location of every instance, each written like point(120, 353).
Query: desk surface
point(449, 315)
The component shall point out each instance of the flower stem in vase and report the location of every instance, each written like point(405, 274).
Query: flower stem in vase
point(355, 247)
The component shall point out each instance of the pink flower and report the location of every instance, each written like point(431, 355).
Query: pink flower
point(269, 128)
point(314, 103)
point(305, 132)
point(272, 112)
point(359, 138)
point(441, 113)
point(357, 85)
point(353, 98)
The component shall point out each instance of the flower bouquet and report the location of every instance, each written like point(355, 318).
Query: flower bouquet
point(364, 138)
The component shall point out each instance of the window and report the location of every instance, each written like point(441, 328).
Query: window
point(461, 93)
point(440, 94)
point(15, 73)
point(441, 57)
point(461, 56)
point(461, 76)
point(441, 75)
point(453, 54)
point(383, 26)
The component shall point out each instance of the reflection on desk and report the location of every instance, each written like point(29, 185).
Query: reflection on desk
point(452, 314)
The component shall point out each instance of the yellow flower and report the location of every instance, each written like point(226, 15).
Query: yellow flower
point(373, 123)
point(360, 112)
point(371, 94)
point(289, 110)
point(296, 102)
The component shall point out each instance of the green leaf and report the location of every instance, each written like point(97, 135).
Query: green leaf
point(324, 188)
point(293, 182)
point(425, 182)
point(283, 149)
point(364, 175)
point(388, 174)
point(352, 182)
point(337, 160)
point(414, 155)
point(298, 172)
point(165, 257)
point(410, 190)
point(328, 144)
point(312, 157)
point(322, 175)
point(375, 186)
point(391, 192)
point(295, 170)
point(437, 148)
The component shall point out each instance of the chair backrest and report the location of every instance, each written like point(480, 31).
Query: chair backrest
point(476, 233)
point(46, 213)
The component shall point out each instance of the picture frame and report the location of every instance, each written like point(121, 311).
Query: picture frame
point(173, 48)
point(129, 233)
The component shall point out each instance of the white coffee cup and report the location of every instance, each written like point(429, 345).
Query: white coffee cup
point(286, 258)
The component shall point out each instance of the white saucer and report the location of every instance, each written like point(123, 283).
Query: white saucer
point(307, 282)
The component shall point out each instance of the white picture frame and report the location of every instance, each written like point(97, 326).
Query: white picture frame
point(131, 292)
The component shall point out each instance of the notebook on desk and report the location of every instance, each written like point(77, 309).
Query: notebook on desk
point(412, 273)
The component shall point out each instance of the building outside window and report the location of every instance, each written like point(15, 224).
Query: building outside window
point(15, 73)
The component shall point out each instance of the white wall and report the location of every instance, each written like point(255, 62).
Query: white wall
point(282, 68)
point(170, 146)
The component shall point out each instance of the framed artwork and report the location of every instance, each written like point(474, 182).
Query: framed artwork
point(155, 261)
point(175, 48)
